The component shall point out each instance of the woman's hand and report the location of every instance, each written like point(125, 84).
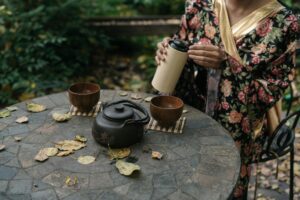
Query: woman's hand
point(208, 56)
point(162, 50)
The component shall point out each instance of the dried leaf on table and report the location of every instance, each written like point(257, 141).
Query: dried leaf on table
point(80, 138)
point(123, 94)
point(17, 139)
point(51, 151)
point(2, 147)
point(41, 156)
point(64, 153)
point(148, 99)
point(119, 153)
point(69, 145)
point(185, 111)
point(12, 108)
point(33, 107)
point(126, 168)
point(61, 117)
point(71, 181)
point(136, 96)
point(157, 155)
point(86, 160)
point(4, 113)
point(22, 120)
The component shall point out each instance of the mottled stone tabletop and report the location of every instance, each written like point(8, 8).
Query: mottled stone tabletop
point(202, 163)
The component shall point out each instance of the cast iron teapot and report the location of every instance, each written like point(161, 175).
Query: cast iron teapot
point(120, 124)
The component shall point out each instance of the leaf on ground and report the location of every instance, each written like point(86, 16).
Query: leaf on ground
point(136, 96)
point(123, 94)
point(17, 139)
point(126, 168)
point(51, 151)
point(157, 155)
point(118, 153)
point(86, 160)
point(148, 99)
point(12, 108)
point(64, 153)
point(69, 145)
point(71, 181)
point(2, 147)
point(34, 107)
point(41, 156)
point(4, 113)
point(61, 117)
point(80, 138)
point(22, 120)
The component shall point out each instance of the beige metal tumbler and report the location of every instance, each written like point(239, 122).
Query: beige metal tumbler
point(168, 72)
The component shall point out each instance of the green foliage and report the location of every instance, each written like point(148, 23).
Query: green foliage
point(42, 44)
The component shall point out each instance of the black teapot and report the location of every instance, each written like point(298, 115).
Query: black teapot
point(120, 124)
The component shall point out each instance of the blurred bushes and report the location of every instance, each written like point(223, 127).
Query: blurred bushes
point(42, 44)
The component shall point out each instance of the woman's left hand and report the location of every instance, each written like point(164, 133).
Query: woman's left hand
point(208, 56)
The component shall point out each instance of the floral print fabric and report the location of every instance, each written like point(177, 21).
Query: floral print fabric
point(245, 90)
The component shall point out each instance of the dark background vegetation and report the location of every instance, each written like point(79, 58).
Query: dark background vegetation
point(46, 45)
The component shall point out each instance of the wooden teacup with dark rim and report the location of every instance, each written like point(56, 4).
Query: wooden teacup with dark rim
point(84, 96)
point(166, 110)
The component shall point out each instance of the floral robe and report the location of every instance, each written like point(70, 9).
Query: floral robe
point(247, 88)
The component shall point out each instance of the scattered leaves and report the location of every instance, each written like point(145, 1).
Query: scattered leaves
point(51, 151)
point(41, 156)
point(61, 117)
point(80, 138)
point(148, 99)
point(157, 155)
point(136, 96)
point(123, 94)
point(126, 168)
point(4, 113)
point(22, 120)
point(69, 145)
point(86, 160)
point(118, 153)
point(2, 147)
point(64, 153)
point(71, 181)
point(17, 139)
point(12, 108)
point(33, 107)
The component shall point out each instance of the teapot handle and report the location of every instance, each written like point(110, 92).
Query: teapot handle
point(134, 105)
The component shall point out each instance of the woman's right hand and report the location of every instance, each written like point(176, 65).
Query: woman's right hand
point(162, 50)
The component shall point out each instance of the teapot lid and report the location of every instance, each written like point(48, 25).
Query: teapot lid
point(118, 112)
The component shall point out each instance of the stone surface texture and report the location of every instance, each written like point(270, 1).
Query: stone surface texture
point(202, 163)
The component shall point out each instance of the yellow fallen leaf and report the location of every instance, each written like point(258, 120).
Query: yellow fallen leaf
point(69, 145)
point(64, 153)
point(156, 155)
point(33, 107)
point(86, 160)
point(41, 156)
point(148, 99)
point(71, 181)
point(123, 94)
point(21, 120)
point(136, 96)
point(12, 108)
point(61, 117)
point(118, 153)
point(126, 168)
point(4, 113)
point(80, 138)
point(17, 139)
point(2, 147)
point(51, 151)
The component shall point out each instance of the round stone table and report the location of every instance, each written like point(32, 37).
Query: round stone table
point(201, 163)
